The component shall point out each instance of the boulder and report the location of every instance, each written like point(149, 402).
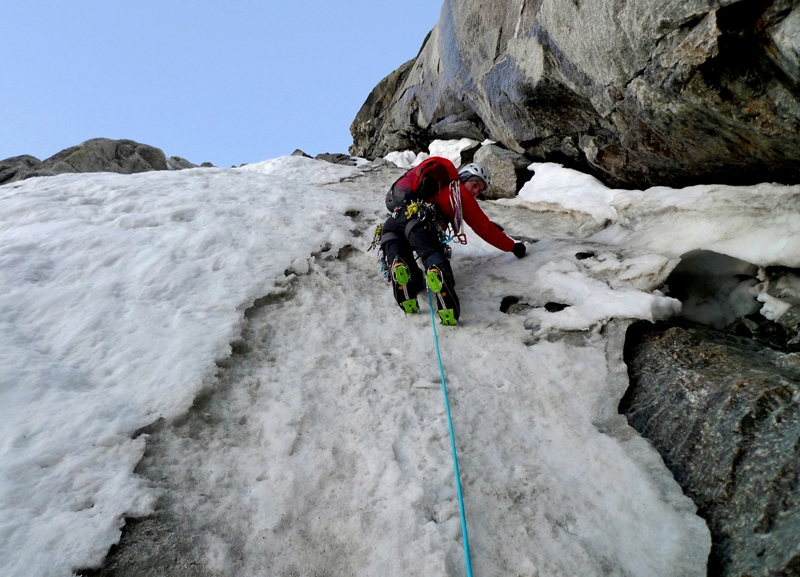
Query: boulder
point(724, 413)
point(640, 93)
point(790, 321)
point(337, 158)
point(178, 163)
point(509, 171)
point(16, 165)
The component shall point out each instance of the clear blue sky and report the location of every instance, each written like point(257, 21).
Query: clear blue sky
point(223, 82)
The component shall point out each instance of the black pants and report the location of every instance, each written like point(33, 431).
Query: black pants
point(401, 238)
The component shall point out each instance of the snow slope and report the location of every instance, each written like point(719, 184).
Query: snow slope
point(321, 443)
point(118, 293)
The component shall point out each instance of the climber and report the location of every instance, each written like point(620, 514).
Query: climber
point(425, 203)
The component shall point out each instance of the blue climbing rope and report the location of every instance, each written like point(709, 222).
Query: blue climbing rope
point(452, 442)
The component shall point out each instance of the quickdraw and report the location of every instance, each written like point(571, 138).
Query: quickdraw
point(459, 238)
point(376, 239)
point(376, 243)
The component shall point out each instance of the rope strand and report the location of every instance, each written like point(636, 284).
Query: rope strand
point(452, 442)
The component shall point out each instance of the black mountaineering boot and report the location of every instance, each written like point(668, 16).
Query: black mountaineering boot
point(446, 300)
point(401, 279)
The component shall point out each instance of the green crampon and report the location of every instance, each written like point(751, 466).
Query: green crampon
point(401, 274)
point(401, 277)
point(436, 285)
point(448, 317)
point(434, 281)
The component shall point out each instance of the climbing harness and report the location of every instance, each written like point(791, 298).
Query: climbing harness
point(428, 215)
point(452, 442)
point(431, 217)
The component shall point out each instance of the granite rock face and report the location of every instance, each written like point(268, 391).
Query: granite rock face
point(639, 92)
point(724, 413)
point(375, 126)
point(96, 155)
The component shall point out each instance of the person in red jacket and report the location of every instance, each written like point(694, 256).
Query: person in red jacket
point(426, 203)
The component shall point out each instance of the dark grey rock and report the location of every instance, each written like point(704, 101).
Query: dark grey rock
point(298, 152)
point(178, 163)
point(106, 155)
point(337, 158)
point(96, 155)
point(724, 414)
point(458, 126)
point(790, 321)
point(640, 93)
point(784, 41)
point(373, 134)
point(11, 167)
point(781, 334)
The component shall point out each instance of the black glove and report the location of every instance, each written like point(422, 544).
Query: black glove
point(518, 250)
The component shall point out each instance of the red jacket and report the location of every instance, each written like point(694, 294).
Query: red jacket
point(440, 172)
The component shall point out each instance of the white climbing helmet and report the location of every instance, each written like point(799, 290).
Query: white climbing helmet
point(475, 170)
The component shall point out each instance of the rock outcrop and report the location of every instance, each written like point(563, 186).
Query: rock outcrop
point(336, 158)
point(640, 93)
point(16, 167)
point(178, 163)
point(96, 155)
point(332, 157)
point(725, 415)
point(721, 403)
